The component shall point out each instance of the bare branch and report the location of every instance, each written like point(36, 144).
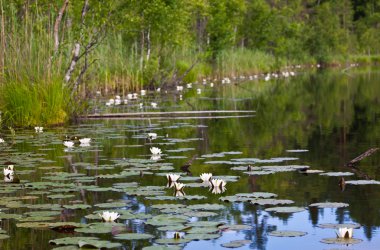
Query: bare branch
point(57, 24)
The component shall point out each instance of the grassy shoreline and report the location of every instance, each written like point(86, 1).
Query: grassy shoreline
point(47, 102)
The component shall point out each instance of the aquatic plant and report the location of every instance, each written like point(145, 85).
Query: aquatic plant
point(344, 232)
point(68, 144)
point(39, 129)
point(155, 151)
point(172, 177)
point(206, 177)
point(109, 216)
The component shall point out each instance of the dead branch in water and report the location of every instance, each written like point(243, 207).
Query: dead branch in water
point(367, 153)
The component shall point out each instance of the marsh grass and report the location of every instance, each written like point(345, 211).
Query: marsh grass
point(31, 104)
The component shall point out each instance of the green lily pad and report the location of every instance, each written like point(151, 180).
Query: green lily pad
point(235, 227)
point(178, 227)
point(341, 241)
point(236, 243)
point(77, 206)
point(337, 174)
point(168, 206)
point(286, 233)
point(60, 196)
point(42, 213)
point(201, 236)
point(100, 244)
point(4, 216)
point(112, 204)
point(71, 240)
point(202, 230)
point(94, 230)
point(172, 241)
point(363, 182)
point(133, 236)
point(200, 214)
point(166, 220)
point(285, 209)
point(329, 205)
point(265, 202)
point(206, 206)
point(37, 218)
point(205, 224)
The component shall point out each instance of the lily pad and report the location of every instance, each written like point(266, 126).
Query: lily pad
point(100, 244)
point(77, 206)
point(133, 236)
point(236, 243)
point(172, 241)
point(285, 209)
point(337, 173)
point(265, 202)
point(201, 236)
point(341, 241)
point(286, 233)
point(235, 227)
point(71, 240)
point(209, 207)
point(329, 205)
point(363, 182)
point(166, 220)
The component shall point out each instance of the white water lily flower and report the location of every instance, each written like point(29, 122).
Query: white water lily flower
point(109, 216)
point(152, 136)
point(218, 190)
point(218, 183)
point(68, 144)
point(39, 129)
point(154, 105)
point(179, 88)
point(179, 186)
point(155, 157)
point(173, 177)
point(344, 232)
point(199, 91)
point(158, 89)
point(141, 105)
point(155, 151)
point(8, 171)
point(189, 85)
point(134, 96)
point(206, 177)
point(129, 96)
point(2, 140)
point(85, 140)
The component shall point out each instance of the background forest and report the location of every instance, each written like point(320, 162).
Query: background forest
point(124, 45)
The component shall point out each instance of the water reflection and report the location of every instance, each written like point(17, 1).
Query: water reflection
point(335, 116)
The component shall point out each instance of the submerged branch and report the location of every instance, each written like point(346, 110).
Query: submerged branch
point(367, 153)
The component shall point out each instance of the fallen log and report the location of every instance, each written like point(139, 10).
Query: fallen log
point(367, 153)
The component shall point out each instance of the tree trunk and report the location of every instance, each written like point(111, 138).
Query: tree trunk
point(57, 24)
point(77, 46)
point(148, 45)
point(74, 61)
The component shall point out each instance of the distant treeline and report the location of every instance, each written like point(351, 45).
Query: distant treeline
point(122, 45)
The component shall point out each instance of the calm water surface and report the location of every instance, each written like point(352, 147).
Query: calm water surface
point(328, 117)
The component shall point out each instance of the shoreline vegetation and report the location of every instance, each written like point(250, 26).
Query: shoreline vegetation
point(54, 56)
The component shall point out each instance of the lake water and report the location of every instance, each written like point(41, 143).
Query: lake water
point(318, 121)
